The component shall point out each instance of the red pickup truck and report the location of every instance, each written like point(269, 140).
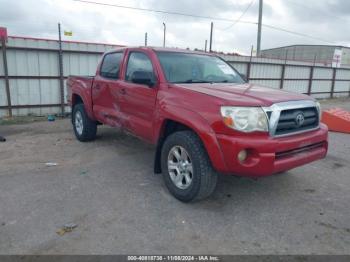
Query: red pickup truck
point(200, 113)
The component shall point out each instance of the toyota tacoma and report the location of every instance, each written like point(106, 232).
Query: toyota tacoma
point(201, 114)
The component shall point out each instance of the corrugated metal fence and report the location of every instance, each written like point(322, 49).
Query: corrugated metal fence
point(301, 77)
point(33, 74)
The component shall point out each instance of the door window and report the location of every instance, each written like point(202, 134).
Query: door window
point(139, 62)
point(111, 65)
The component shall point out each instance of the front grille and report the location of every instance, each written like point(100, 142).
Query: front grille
point(297, 120)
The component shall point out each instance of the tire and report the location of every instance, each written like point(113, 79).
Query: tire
point(203, 177)
point(85, 129)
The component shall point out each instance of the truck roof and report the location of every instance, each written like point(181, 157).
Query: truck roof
point(162, 49)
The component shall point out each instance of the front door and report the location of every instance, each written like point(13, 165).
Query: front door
point(138, 101)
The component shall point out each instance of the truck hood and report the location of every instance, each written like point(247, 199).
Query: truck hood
point(244, 93)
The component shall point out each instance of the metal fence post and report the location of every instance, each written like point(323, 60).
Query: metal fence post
point(248, 70)
point(60, 61)
point(282, 75)
point(7, 82)
point(311, 76)
point(283, 71)
point(333, 81)
point(249, 64)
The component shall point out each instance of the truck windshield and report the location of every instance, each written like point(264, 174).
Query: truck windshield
point(196, 68)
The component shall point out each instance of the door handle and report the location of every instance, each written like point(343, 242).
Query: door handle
point(97, 87)
point(123, 91)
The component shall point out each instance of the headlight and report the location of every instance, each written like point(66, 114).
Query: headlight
point(245, 119)
point(318, 106)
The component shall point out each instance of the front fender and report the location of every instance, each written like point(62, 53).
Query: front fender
point(199, 125)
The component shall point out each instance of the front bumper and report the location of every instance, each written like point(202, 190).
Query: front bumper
point(270, 155)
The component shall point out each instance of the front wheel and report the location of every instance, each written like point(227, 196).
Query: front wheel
point(186, 167)
point(85, 129)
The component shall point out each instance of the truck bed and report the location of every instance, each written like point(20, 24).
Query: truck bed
point(81, 85)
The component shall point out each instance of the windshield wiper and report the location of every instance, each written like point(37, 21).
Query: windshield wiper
point(193, 81)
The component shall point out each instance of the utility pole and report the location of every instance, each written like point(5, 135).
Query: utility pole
point(258, 46)
point(211, 36)
point(164, 25)
point(205, 45)
point(146, 39)
point(3, 38)
point(60, 61)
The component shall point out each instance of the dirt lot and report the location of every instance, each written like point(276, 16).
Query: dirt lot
point(108, 188)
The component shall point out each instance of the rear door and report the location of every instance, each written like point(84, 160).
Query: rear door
point(138, 101)
point(105, 90)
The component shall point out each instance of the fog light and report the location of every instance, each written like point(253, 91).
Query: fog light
point(242, 155)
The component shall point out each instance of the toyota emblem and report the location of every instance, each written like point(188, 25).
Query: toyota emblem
point(299, 119)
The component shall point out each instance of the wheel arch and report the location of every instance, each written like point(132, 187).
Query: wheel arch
point(82, 98)
point(201, 128)
point(76, 99)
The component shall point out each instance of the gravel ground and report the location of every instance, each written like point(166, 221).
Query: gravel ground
point(107, 187)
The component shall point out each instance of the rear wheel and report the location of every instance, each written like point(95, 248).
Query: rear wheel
point(85, 129)
point(186, 167)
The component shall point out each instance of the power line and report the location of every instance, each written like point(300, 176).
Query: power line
point(240, 17)
point(205, 17)
point(162, 11)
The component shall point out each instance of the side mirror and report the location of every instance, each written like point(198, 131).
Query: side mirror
point(244, 77)
point(143, 78)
